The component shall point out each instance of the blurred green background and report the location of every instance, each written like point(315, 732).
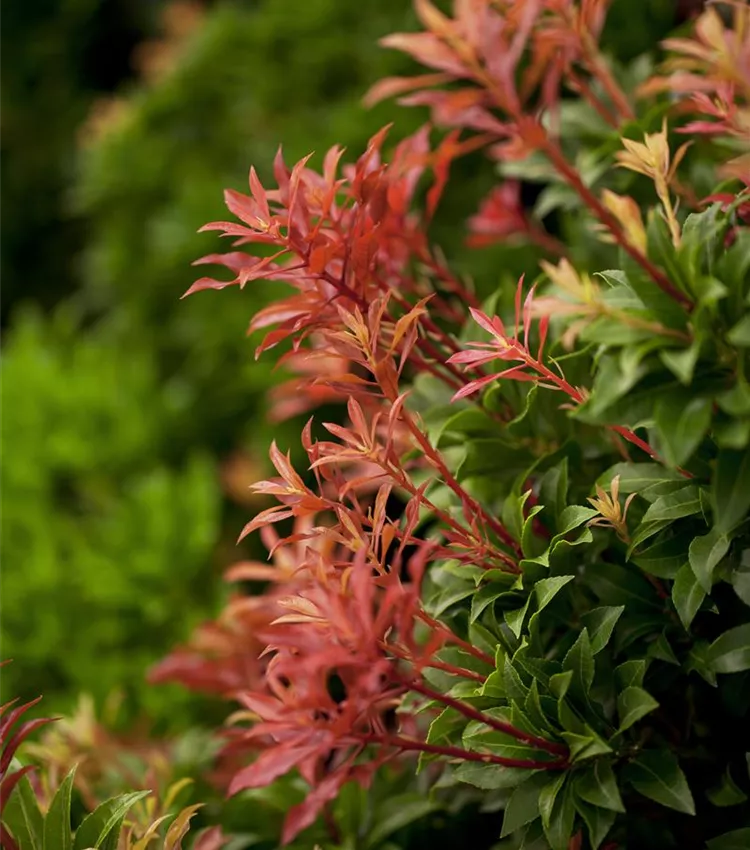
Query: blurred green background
point(133, 421)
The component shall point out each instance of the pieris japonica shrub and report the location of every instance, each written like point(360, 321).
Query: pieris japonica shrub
point(521, 567)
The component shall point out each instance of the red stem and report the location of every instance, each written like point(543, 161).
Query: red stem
point(458, 752)
point(492, 722)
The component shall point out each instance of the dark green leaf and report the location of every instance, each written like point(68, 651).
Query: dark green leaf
point(731, 489)
point(600, 623)
point(664, 558)
point(681, 421)
point(630, 674)
point(685, 502)
point(705, 554)
point(547, 589)
point(559, 828)
point(687, 595)
point(580, 660)
point(397, 813)
point(727, 792)
point(730, 652)
point(523, 806)
point(615, 585)
point(598, 822)
point(515, 618)
point(632, 705)
point(58, 833)
point(657, 775)
point(598, 786)
point(491, 777)
point(738, 839)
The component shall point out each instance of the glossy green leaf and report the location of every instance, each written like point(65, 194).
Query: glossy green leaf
point(598, 821)
point(681, 422)
point(730, 652)
point(633, 704)
point(580, 661)
point(598, 786)
point(58, 833)
point(523, 805)
point(687, 595)
point(630, 673)
point(105, 820)
point(559, 826)
point(600, 623)
point(684, 502)
point(731, 489)
point(657, 775)
point(492, 777)
point(705, 555)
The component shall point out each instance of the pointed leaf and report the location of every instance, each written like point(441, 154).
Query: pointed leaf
point(730, 652)
point(105, 820)
point(598, 821)
point(705, 555)
point(523, 805)
point(632, 705)
point(58, 834)
point(598, 786)
point(731, 489)
point(657, 775)
point(687, 595)
point(600, 623)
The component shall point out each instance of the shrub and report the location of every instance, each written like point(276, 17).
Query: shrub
point(97, 528)
point(524, 557)
point(121, 408)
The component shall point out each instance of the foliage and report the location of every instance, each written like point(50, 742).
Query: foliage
point(114, 516)
point(523, 558)
point(96, 528)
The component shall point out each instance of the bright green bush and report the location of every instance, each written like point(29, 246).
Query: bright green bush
point(112, 543)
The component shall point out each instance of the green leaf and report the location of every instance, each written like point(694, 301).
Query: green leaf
point(681, 362)
point(665, 557)
point(731, 489)
point(397, 813)
point(598, 786)
point(615, 585)
point(740, 334)
point(561, 818)
point(636, 477)
point(705, 555)
point(547, 796)
point(600, 623)
point(681, 422)
point(727, 792)
point(105, 821)
point(491, 777)
point(738, 839)
point(657, 775)
point(515, 619)
point(574, 516)
point(687, 595)
point(523, 805)
point(553, 489)
point(632, 705)
point(684, 502)
point(730, 652)
point(580, 660)
point(598, 821)
point(22, 815)
point(58, 833)
point(630, 673)
point(546, 589)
